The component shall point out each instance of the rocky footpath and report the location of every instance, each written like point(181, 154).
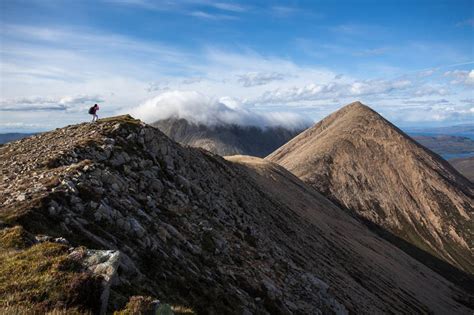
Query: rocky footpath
point(152, 218)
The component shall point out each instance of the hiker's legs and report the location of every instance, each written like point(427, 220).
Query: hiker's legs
point(95, 118)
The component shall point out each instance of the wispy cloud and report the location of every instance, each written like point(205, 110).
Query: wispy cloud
point(212, 16)
point(426, 73)
point(233, 7)
point(69, 103)
point(9, 126)
point(430, 90)
point(187, 7)
point(157, 86)
point(284, 11)
point(464, 77)
point(333, 90)
point(371, 52)
point(359, 29)
point(432, 112)
point(468, 22)
point(41, 64)
point(259, 78)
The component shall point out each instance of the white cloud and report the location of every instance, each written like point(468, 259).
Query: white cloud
point(433, 110)
point(211, 16)
point(157, 86)
point(333, 90)
point(426, 73)
point(66, 103)
point(125, 72)
point(468, 101)
point(180, 6)
point(465, 77)
point(201, 109)
point(7, 126)
point(233, 7)
point(430, 90)
point(426, 102)
point(259, 78)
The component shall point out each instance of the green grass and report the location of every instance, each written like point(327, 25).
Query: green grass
point(144, 305)
point(120, 119)
point(42, 278)
point(14, 238)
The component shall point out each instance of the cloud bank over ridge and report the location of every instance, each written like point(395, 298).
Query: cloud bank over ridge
point(201, 109)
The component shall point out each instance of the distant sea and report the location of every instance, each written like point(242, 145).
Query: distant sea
point(469, 135)
point(457, 155)
point(447, 156)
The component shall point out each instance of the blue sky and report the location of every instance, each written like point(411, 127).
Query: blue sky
point(245, 62)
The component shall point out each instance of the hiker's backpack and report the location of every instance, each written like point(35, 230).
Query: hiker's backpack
point(91, 110)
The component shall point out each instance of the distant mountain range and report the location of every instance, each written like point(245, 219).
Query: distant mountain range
point(465, 130)
point(448, 147)
point(447, 130)
point(232, 139)
point(7, 137)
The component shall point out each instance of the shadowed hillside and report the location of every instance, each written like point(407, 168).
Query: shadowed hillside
point(226, 139)
point(465, 166)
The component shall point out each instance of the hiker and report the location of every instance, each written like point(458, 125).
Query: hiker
point(93, 111)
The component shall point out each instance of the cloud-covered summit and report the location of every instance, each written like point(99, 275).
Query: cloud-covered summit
point(201, 109)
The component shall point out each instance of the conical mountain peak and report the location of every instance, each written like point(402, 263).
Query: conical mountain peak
point(359, 159)
point(358, 106)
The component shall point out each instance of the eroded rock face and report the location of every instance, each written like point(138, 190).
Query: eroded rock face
point(363, 162)
point(195, 229)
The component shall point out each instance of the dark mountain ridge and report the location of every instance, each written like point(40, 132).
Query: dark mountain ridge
point(226, 139)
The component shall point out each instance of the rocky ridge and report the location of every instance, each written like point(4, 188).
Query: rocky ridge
point(186, 226)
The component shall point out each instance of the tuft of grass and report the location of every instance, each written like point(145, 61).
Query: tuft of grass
point(120, 119)
point(43, 278)
point(14, 238)
point(145, 305)
point(29, 309)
